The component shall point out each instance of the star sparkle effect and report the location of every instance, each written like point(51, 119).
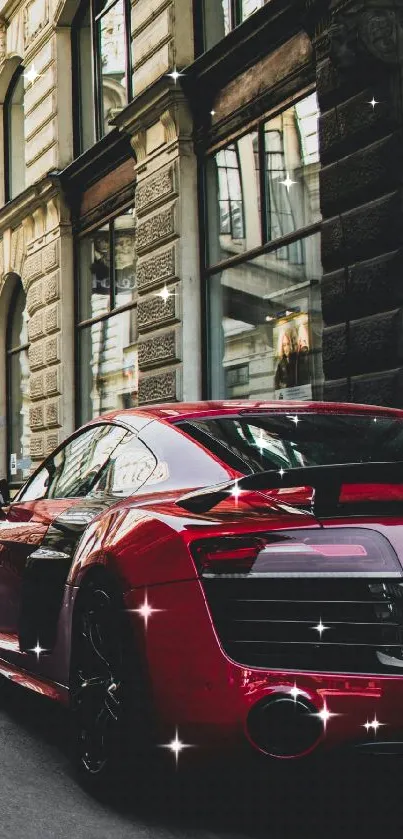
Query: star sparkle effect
point(31, 75)
point(176, 746)
point(175, 75)
point(295, 692)
point(165, 293)
point(288, 182)
point(236, 491)
point(374, 725)
point(281, 472)
point(38, 650)
point(145, 610)
point(373, 102)
point(320, 628)
point(325, 715)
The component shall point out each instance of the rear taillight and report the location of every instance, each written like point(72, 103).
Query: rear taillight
point(334, 552)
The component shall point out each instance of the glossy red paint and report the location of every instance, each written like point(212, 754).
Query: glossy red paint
point(145, 542)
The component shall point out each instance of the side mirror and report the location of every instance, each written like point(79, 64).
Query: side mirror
point(4, 493)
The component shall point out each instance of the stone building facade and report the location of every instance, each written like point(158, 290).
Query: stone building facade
point(191, 191)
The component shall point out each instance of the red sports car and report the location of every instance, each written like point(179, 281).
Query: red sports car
point(226, 575)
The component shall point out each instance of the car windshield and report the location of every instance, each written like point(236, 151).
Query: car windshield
point(254, 443)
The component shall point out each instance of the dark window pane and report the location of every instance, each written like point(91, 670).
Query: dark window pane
point(248, 7)
point(108, 365)
point(268, 442)
point(129, 466)
point(95, 270)
point(75, 469)
point(217, 21)
point(292, 173)
point(180, 463)
point(124, 255)
point(86, 84)
point(16, 139)
point(234, 199)
point(19, 434)
point(265, 316)
point(113, 62)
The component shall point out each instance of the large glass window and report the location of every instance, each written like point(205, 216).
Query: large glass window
point(107, 328)
point(220, 16)
point(14, 140)
point(264, 307)
point(18, 442)
point(101, 44)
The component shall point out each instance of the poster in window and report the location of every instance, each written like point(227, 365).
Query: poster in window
point(292, 348)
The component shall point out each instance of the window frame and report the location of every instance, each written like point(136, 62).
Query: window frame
point(7, 141)
point(10, 352)
point(96, 62)
point(207, 270)
point(81, 324)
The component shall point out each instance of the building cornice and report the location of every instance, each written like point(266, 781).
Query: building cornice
point(14, 212)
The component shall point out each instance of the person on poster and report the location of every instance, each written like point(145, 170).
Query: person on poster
point(285, 375)
point(302, 371)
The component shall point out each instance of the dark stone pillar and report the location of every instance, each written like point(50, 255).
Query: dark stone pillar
point(359, 49)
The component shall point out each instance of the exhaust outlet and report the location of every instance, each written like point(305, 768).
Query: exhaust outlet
point(283, 727)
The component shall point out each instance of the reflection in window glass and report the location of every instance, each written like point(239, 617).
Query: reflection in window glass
point(248, 7)
point(108, 345)
point(95, 273)
point(220, 16)
point(233, 182)
point(265, 327)
point(101, 44)
point(75, 467)
point(292, 173)
point(112, 54)
point(14, 118)
point(19, 433)
point(123, 257)
point(216, 21)
point(108, 362)
point(288, 192)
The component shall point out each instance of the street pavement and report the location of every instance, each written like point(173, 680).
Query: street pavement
point(41, 799)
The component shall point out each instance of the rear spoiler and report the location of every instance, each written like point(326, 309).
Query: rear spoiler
point(326, 481)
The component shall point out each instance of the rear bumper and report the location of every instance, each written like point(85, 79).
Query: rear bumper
point(210, 700)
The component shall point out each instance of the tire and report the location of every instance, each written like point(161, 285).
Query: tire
point(109, 719)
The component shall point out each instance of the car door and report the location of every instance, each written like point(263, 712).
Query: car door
point(59, 486)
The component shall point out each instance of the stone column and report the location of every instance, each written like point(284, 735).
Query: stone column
point(359, 52)
point(160, 128)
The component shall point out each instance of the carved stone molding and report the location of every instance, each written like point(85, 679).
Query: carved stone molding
point(155, 189)
point(160, 388)
point(36, 17)
point(156, 269)
point(138, 144)
point(155, 229)
point(157, 350)
point(3, 39)
point(361, 30)
point(154, 312)
point(168, 121)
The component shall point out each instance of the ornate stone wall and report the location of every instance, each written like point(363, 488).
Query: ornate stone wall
point(359, 63)
point(160, 129)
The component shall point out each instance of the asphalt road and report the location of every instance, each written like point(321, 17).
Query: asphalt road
point(40, 798)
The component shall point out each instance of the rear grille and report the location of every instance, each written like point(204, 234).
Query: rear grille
point(271, 623)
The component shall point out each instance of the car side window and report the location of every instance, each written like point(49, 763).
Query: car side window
point(73, 470)
point(128, 468)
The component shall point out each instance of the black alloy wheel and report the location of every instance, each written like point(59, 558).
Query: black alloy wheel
point(108, 729)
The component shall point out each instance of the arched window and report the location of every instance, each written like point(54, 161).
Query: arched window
point(18, 436)
point(102, 67)
point(14, 141)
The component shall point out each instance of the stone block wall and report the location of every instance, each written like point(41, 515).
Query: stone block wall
point(362, 205)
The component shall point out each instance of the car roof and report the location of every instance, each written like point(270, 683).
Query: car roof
point(176, 411)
